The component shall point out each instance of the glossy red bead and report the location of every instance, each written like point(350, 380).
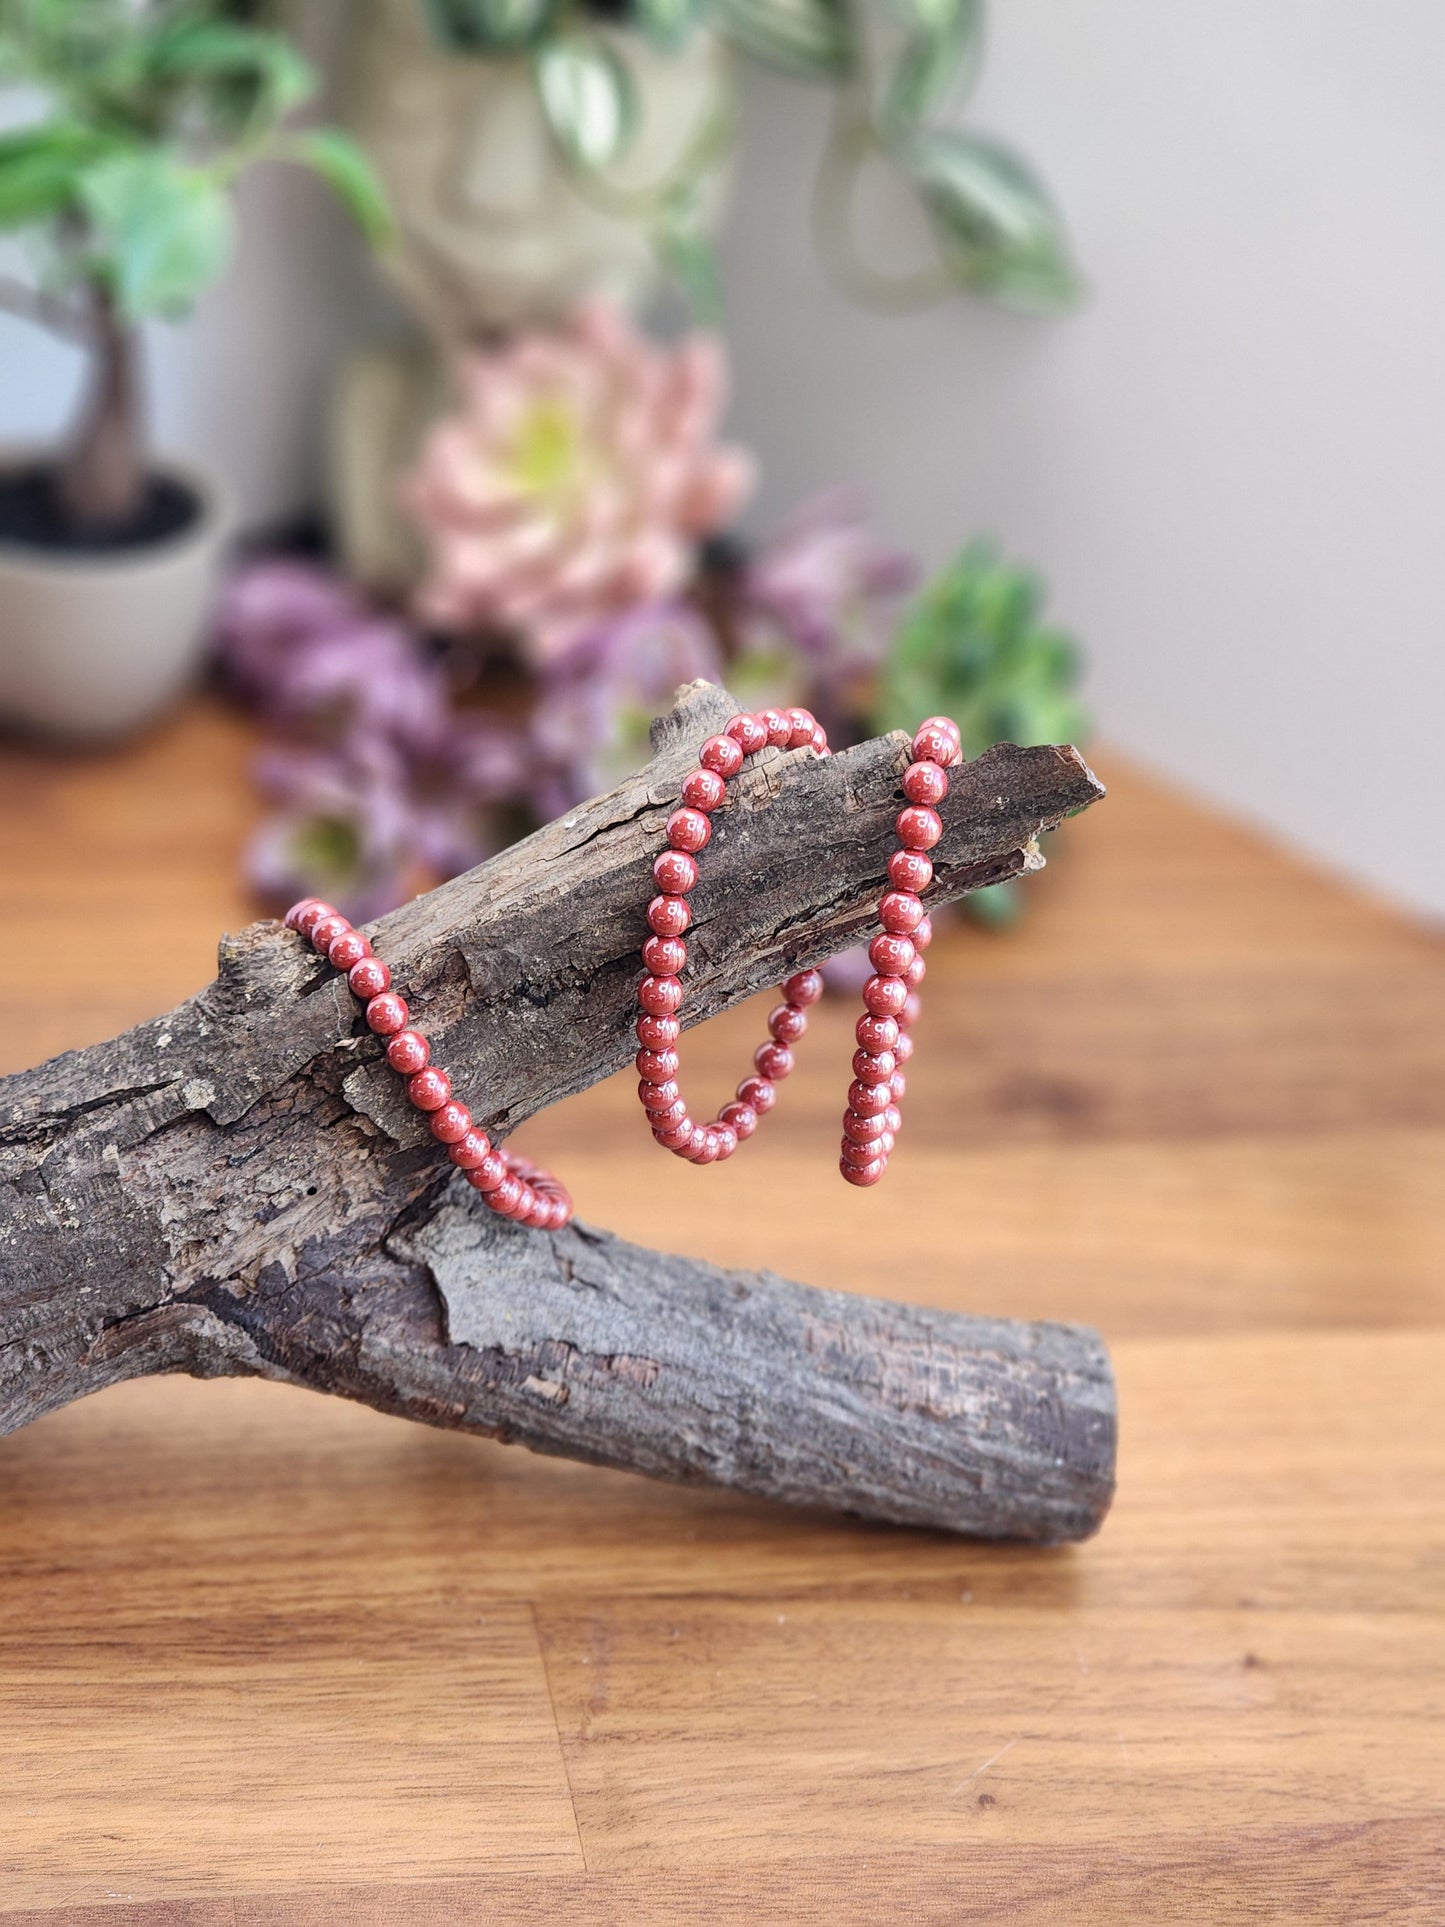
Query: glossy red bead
point(727, 1140)
point(660, 996)
point(915, 973)
point(408, 1052)
point(900, 911)
point(874, 1067)
point(492, 1171)
point(309, 913)
point(429, 1089)
point(326, 930)
point(688, 830)
point(703, 789)
point(665, 1119)
point(861, 1153)
point(451, 1123)
point(786, 1023)
point(949, 728)
point(750, 733)
point(740, 1117)
point(933, 744)
point(722, 755)
point(758, 1093)
point(868, 1100)
point(780, 730)
point(668, 916)
point(664, 956)
point(657, 1066)
point(675, 1134)
point(919, 828)
point(804, 987)
point(885, 996)
point(898, 1087)
point(861, 1130)
point(803, 724)
point(910, 870)
point(912, 1009)
point(923, 933)
point(891, 956)
point(903, 1049)
point(820, 739)
point(657, 1033)
point(470, 1149)
point(506, 1196)
point(676, 872)
point(293, 916)
point(368, 978)
point(773, 1061)
point(892, 1119)
point(876, 1033)
point(348, 949)
point(656, 1094)
point(925, 782)
point(387, 1014)
point(863, 1174)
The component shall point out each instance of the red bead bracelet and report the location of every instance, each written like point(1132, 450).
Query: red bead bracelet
point(872, 1120)
point(512, 1185)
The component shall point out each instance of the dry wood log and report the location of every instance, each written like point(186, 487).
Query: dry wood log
point(236, 1188)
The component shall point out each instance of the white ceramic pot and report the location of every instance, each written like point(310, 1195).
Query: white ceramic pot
point(92, 646)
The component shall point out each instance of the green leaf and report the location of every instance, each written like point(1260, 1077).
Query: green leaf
point(943, 46)
point(587, 96)
point(349, 175)
point(811, 38)
point(41, 169)
point(487, 26)
point(248, 76)
point(160, 231)
point(993, 218)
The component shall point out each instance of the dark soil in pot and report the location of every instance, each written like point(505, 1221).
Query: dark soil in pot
point(31, 515)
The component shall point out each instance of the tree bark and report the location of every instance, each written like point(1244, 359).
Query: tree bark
point(238, 1187)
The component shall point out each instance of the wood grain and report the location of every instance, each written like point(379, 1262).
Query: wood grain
point(266, 1659)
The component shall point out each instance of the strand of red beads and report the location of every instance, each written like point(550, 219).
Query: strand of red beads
point(660, 993)
point(512, 1185)
point(891, 1002)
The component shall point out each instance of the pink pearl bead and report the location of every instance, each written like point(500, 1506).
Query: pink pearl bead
point(873, 1067)
point(803, 726)
point(660, 996)
point(657, 1033)
point(890, 956)
point(900, 911)
point(657, 1066)
point(885, 996)
point(722, 755)
point(293, 916)
point(803, 988)
point(923, 933)
point(703, 789)
point(919, 828)
point(492, 1171)
point(740, 1117)
point(903, 1049)
point(309, 913)
point(451, 1123)
point(675, 871)
point(664, 956)
point(861, 1130)
point(408, 1052)
point(326, 930)
point(912, 1009)
point(668, 916)
point(915, 973)
point(688, 830)
point(387, 1014)
point(348, 949)
point(774, 1061)
point(868, 1100)
point(429, 1089)
point(933, 744)
point(863, 1174)
point(909, 870)
point(658, 1094)
point(505, 1197)
point(876, 1033)
point(925, 783)
point(470, 1149)
point(758, 1093)
point(368, 978)
point(750, 733)
point(786, 1023)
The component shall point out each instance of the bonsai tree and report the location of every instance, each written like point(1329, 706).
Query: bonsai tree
point(137, 119)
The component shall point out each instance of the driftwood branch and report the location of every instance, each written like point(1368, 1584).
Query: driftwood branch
point(235, 1187)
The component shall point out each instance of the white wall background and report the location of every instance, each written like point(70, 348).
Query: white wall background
point(1231, 464)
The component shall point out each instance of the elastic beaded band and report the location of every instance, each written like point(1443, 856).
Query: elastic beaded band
point(512, 1185)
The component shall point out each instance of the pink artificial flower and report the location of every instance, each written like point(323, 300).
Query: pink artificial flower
point(575, 481)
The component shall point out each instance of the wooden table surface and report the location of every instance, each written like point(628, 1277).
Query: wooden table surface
point(267, 1658)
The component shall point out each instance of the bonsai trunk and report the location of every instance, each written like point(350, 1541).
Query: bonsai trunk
point(102, 477)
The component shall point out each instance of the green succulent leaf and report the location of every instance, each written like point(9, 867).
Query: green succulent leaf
point(941, 52)
point(349, 175)
point(811, 38)
point(587, 97)
point(994, 220)
point(160, 231)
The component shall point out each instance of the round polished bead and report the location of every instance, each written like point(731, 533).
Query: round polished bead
point(868, 1100)
point(861, 1153)
point(727, 1140)
point(368, 978)
point(348, 949)
point(676, 1134)
point(804, 987)
point(688, 830)
point(657, 1033)
point(293, 916)
point(539, 1215)
point(387, 1014)
point(559, 1212)
point(429, 1089)
point(470, 1149)
point(722, 755)
point(886, 1143)
point(310, 913)
point(863, 1174)
point(904, 1048)
point(912, 1009)
point(773, 1061)
point(675, 872)
point(786, 1023)
point(934, 744)
point(873, 1067)
point(750, 733)
point(885, 996)
point(876, 1033)
point(658, 1094)
point(660, 996)
point(923, 933)
point(326, 930)
point(492, 1171)
point(408, 1052)
point(703, 789)
point(893, 1118)
point(780, 730)
point(900, 912)
point(657, 1066)
point(664, 956)
point(919, 827)
point(915, 973)
point(925, 782)
point(711, 1146)
point(759, 1093)
point(861, 1130)
point(898, 1087)
point(820, 739)
point(891, 956)
point(669, 1116)
point(803, 724)
point(696, 1143)
point(505, 1197)
point(451, 1123)
point(948, 726)
point(668, 916)
point(739, 1117)
point(909, 870)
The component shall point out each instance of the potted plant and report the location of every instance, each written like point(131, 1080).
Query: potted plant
point(135, 120)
